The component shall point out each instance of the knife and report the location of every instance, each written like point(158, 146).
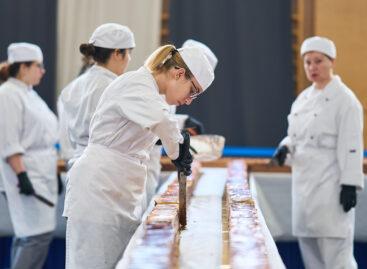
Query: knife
point(182, 208)
point(43, 200)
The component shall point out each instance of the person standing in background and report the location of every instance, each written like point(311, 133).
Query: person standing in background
point(110, 47)
point(324, 147)
point(28, 134)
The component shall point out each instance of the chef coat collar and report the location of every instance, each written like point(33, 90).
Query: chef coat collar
point(145, 70)
point(20, 84)
point(100, 68)
point(331, 89)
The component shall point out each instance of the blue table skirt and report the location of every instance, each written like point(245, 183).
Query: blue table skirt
point(288, 250)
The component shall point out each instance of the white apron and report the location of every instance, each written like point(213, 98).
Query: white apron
point(153, 171)
point(107, 183)
point(113, 192)
point(326, 143)
point(28, 127)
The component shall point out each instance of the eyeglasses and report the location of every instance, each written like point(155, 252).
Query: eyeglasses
point(194, 92)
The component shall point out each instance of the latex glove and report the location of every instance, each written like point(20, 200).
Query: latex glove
point(280, 155)
point(184, 160)
point(24, 184)
point(194, 126)
point(348, 197)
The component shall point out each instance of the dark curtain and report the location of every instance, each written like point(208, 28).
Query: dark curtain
point(253, 89)
point(32, 21)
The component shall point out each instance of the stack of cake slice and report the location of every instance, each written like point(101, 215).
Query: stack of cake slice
point(158, 247)
point(247, 247)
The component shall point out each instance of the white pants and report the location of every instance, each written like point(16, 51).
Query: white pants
point(95, 245)
point(327, 252)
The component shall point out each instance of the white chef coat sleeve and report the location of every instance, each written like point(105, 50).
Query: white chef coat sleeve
point(10, 126)
point(181, 118)
point(169, 133)
point(350, 145)
point(285, 142)
point(150, 111)
point(65, 144)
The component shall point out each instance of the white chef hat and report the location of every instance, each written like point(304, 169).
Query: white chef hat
point(213, 60)
point(319, 44)
point(24, 52)
point(199, 65)
point(113, 36)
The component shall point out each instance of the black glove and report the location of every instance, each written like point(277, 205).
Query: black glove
point(280, 155)
point(194, 126)
point(24, 184)
point(348, 197)
point(184, 160)
point(60, 186)
point(159, 142)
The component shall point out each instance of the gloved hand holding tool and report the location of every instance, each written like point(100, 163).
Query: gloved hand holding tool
point(183, 165)
point(26, 188)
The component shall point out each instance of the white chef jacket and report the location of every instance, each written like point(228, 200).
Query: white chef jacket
point(129, 119)
point(28, 127)
point(325, 138)
point(78, 102)
point(107, 183)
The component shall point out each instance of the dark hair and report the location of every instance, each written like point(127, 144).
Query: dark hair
point(99, 54)
point(12, 70)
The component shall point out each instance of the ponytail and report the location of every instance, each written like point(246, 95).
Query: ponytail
point(87, 50)
point(165, 58)
point(4, 72)
point(11, 70)
point(99, 54)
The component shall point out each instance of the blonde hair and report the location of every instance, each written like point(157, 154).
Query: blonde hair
point(165, 58)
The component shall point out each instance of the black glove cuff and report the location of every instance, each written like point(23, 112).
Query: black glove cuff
point(284, 149)
point(349, 188)
point(22, 176)
point(25, 185)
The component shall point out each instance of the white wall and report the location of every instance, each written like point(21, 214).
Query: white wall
point(78, 19)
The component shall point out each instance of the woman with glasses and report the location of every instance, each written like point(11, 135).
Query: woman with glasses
point(28, 134)
point(106, 189)
point(188, 122)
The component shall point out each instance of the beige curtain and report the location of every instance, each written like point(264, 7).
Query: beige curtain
point(77, 19)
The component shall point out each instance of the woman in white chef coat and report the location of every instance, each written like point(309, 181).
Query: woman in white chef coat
point(28, 133)
point(104, 202)
point(154, 164)
point(110, 46)
point(324, 146)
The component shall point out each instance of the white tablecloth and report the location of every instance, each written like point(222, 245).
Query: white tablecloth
point(274, 197)
point(201, 243)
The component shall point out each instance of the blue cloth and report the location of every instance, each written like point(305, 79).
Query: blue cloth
point(255, 152)
point(252, 152)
